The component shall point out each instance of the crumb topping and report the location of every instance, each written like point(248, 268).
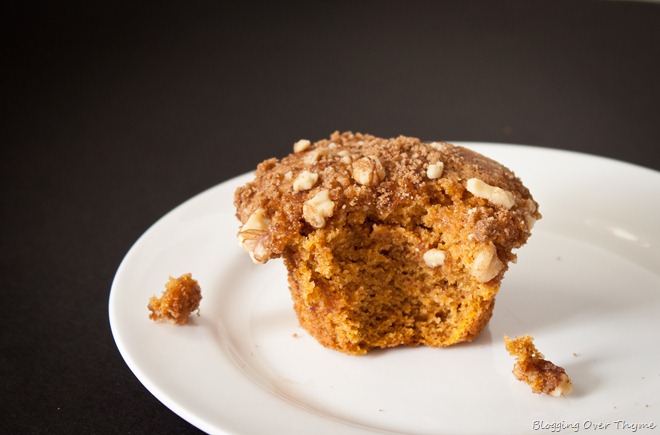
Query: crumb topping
point(358, 176)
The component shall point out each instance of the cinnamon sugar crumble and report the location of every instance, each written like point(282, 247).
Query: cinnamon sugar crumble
point(531, 367)
point(180, 298)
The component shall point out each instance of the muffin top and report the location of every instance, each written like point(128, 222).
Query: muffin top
point(354, 178)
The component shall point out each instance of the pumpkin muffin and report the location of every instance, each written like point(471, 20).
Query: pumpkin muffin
point(387, 242)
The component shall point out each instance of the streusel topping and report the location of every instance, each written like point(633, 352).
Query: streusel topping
point(365, 177)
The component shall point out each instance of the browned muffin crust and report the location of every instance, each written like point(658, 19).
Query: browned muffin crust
point(387, 241)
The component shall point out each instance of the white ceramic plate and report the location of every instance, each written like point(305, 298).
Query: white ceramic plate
point(586, 286)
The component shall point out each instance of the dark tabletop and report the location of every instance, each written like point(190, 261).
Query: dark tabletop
point(115, 113)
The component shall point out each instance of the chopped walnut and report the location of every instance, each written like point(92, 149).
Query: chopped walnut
point(434, 257)
point(530, 219)
point(301, 145)
point(318, 209)
point(345, 157)
point(486, 264)
point(368, 171)
point(305, 180)
point(179, 299)
point(315, 155)
point(496, 195)
point(434, 170)
point(531, 205)
point(253, 234)
point(531, 367)
point(439, 146)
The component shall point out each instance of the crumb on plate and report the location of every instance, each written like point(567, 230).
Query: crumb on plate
point(531, 367)
point(180, 298)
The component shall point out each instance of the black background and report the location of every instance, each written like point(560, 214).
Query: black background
point(114, 113)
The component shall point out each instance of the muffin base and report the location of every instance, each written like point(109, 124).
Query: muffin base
point(361, 288)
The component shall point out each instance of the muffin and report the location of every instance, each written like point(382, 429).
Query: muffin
point(387, 242)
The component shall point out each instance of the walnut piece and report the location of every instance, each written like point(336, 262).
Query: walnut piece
point(253, 234)
point(315, 155)
point(301, 145)
point(530, 219)
point(486, 264)
point(495, 195)
point(564, 386)
point(345, 157)
point(434, 170)
point(317, 209)
point(439, 146)
point(305, 181)
point(434, 257)
point(368, 171)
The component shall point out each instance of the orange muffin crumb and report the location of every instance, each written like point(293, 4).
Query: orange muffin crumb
point(180, 298)
point(531, 367)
